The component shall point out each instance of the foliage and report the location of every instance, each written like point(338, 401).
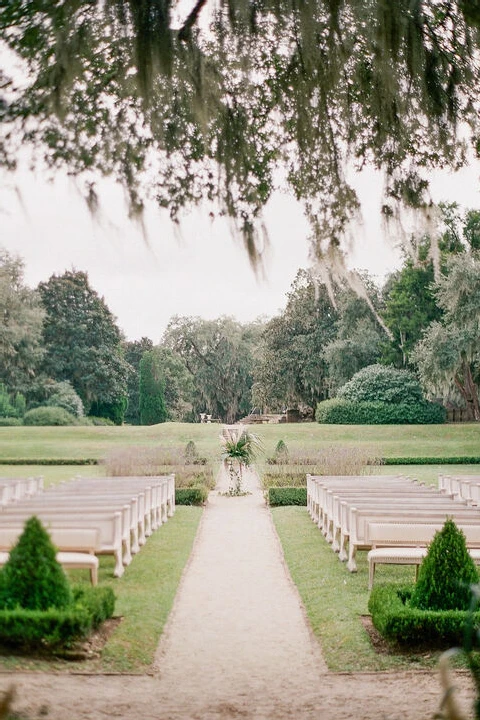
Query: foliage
point(190, 453)
point(113, 411)
point(170, 369)
point(152, 391)
point(7, 410)
point(48, 416)
point(281, 452)
point(446, 573)
point(292, 370)
point(133, 354)
point(10, 421)
point(63, 395)
point(239, 449)
point(278, 496)
point(448, 356)
point(359, 332)
point(347, 412)
point(219, 355)
point(191, 496)
point(219, 109)
point(410, 306)
point(21, 315)
point(82, 341)
point(396, 619)
point(32, 578)
point(29, 629)
point(381, 383)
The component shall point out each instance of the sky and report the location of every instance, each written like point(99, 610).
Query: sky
point(202, 270)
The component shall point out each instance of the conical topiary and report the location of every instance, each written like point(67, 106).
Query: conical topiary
point(190, 453)
point(32, 578)
point(281, 452)
point(446, 573)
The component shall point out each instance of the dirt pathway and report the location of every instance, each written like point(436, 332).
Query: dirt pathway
point(237, 645)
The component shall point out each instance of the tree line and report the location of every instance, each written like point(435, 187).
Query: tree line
point(60, 345)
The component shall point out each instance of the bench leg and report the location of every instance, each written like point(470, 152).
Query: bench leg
point(342, 552)
point(351, 564)
point(371, 573)
point(118, 571)
point(94, 575)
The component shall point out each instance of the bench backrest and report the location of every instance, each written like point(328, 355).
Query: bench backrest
point(413, 534)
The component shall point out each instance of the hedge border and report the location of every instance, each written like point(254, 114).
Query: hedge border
point(430, 460)
point(399, 623)
point(282, 496)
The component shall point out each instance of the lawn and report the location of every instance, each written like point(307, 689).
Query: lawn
point(380, 440)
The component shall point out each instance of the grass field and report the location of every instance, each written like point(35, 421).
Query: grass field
point(380, 440)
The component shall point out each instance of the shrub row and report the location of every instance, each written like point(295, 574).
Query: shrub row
point(398, 622)
point(51, 628)
point(279, 496)
point(10, 422)
point(346, 412)
point(466, 460)
point(191, 496)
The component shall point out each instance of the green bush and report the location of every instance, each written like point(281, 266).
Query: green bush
point(281, 453)
point(114, 411)
point(34, 629)
point(191, 496)
point(346, 412)
point(48, 461)
point(62, 394)
point(398, 622)
point(382, 383)
point(431, 460)
point(10, 421)
point(48, 416)
point(278, 496)
point(190, 453)
point(32, 578)
point(446, 573)
point(7, 410)
point(98, 601)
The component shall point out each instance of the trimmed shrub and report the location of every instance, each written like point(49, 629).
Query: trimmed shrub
point(446, 573)
point(63, 395)
point(431, 460)
point(98, 601)
point(32, 578)
point(382, 383)
point(278, 496)
point(345, 412)
point(191, 496)
point(395, 618)
point(10, 422)
point(281, 453)
point(48, 416)
point(114, 411)
point(191, 453)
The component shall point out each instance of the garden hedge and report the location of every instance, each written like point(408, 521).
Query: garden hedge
point(346, 412)
point(398, 622)
point(279, 496)
point(191, 496)
point(52, 628)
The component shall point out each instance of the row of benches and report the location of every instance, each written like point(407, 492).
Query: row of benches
point(391, 516)
point(15, 489)
point(87, 517)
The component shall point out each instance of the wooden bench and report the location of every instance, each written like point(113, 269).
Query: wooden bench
point(108, 524)
point(406, 543)
point(359, 518)
point(75, 547)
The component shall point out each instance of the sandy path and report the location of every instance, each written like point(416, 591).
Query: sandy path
point(237, 645)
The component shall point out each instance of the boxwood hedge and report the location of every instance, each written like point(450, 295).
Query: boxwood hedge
point(398, 622)
point(278, 496)
point(346, 412)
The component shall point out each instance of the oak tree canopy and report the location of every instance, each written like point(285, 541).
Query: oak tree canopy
point(225, 101)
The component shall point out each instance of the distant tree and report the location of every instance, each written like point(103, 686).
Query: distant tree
point(178, 383)
point(134, 351)
point(292, 370)
point(448, 355)
point(82, 341)
point(63, 395)
point(152, 391)
point(219, 355)
point(21, 316)
point(380, 383)
point(359, 336)
point(409, 306)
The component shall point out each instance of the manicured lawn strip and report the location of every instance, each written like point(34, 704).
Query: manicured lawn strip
point(454, 440)
point(146, 592)
point(335, 599)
